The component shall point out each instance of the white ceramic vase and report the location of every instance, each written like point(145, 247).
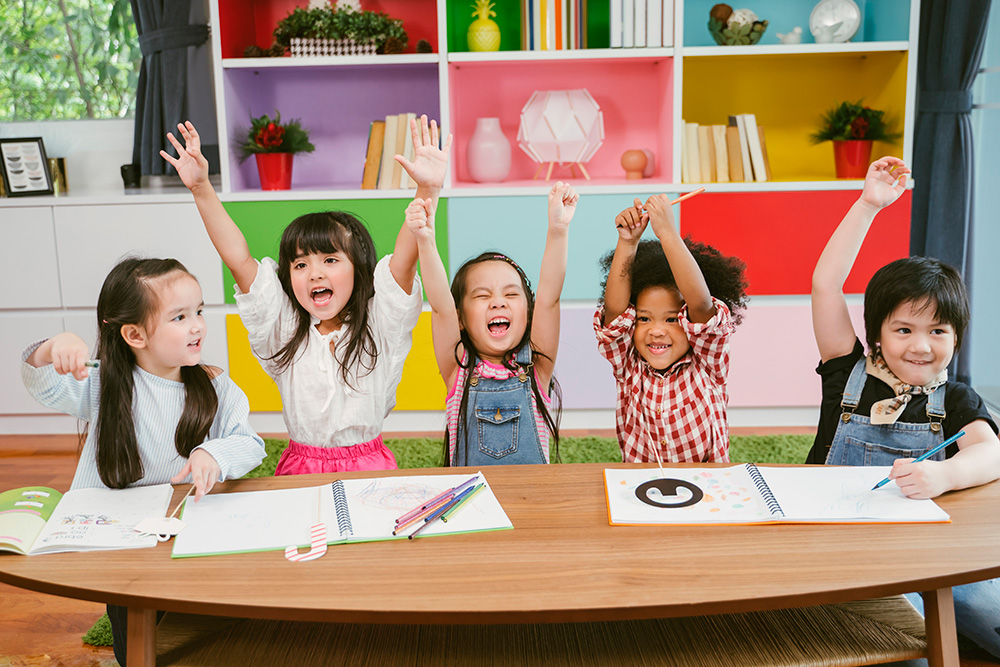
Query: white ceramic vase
point(488, 152)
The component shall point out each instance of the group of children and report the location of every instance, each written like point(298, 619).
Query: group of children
point(332, 326)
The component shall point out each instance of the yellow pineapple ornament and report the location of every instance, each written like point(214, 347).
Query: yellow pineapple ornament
point(484, 33)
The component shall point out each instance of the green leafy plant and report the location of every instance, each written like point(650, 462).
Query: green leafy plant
point(272, 136)
point(853, 121)
point(364, 27)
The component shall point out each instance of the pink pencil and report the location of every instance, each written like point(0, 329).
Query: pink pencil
point(688, 195)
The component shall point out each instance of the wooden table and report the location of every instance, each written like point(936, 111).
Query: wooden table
point(562, 562)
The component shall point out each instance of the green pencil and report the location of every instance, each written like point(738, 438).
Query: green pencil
point(472, 494)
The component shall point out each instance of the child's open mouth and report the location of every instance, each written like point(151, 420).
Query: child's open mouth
point(658, 348)
point(321, 296)
point(196, 345)
point(498, 326)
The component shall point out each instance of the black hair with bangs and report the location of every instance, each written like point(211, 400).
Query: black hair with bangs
point(326, 233)
point(924, 281)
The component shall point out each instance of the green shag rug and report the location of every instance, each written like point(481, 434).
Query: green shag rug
point(429, 453)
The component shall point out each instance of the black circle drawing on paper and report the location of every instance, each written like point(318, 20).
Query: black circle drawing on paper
point(668, 487)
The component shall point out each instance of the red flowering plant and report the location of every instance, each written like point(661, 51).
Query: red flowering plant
point(853, 120)
point(272, 136)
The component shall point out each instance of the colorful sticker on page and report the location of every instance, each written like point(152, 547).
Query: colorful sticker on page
point(684, 495)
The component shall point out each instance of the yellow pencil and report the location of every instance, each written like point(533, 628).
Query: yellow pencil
point(472, 494)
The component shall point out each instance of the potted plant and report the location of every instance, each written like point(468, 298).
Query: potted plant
point(340, 31)
point(273, 144)
point(852, 127)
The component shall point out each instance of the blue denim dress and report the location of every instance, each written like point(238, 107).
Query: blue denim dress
point(858, 442)
point(499, 420)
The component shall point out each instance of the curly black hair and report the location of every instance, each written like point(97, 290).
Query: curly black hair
point(725, 276)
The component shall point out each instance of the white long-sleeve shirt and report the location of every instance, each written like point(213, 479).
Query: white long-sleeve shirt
point(157, 405)
point(319, 409)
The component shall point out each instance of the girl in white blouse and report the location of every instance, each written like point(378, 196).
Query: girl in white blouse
point(328, 324)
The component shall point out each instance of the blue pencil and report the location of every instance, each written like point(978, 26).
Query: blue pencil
point(926, 456)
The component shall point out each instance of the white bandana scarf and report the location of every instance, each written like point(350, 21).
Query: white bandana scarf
point(888, 410)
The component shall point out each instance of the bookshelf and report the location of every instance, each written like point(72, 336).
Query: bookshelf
point(646, 94)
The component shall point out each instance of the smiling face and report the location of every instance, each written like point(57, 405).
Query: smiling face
point(658, 336)
point(915, 344)
point(494, 309)
point(322, 284)
point(174, 334)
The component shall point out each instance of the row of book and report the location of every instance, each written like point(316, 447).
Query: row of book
point(554, 25)
point(387, 138)
point(736, 152)
point(642, 23)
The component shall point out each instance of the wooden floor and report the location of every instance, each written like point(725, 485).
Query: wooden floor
point(39, 630)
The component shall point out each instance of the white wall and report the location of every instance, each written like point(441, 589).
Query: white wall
point(94, 149)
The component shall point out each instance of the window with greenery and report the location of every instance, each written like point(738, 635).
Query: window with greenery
point(67, 59)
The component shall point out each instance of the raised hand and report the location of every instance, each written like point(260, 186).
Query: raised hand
point(562, 204)
point(631, 222)
point(420, 218)
point(884, 182)
point(661, 215)
point(190, 164)
point(430, 163)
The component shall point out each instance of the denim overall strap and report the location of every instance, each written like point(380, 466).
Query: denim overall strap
point(858, 442)
point(500, 420)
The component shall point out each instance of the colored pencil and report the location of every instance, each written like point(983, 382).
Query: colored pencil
point(423, 514)
point(462, 503)
point(92, 364)
point(926, 456)
point(439, 512)
point(688, 196)
point(435, 499)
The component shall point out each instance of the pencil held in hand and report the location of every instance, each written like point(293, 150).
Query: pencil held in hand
point(926, 455)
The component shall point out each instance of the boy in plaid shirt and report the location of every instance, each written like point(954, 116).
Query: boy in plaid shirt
point(669, 309)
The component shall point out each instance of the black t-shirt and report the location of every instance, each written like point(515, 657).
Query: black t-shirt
point(962, 405)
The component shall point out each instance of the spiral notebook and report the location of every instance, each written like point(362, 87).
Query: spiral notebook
point(761, 494)
point(354, 510)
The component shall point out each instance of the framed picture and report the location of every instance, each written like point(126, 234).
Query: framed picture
point(24, 167)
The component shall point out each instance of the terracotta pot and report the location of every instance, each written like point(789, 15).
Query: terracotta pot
point(275, 170)
point(852, 157)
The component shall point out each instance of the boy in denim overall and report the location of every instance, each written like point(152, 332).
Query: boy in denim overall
point(895, 403)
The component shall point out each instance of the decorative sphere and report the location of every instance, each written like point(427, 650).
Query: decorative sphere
point(633, 161)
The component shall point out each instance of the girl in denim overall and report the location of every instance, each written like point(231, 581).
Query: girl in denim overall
point(916, 313)
point(495, 341)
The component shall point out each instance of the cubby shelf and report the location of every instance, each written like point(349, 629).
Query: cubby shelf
point(645, 94)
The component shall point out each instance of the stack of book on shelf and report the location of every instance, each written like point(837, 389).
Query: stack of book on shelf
point(553, 25)
point(735, 152)
point(387, 138)
point(642, 23)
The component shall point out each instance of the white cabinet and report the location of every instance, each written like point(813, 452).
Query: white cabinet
point(91, 239)
point(29, 271)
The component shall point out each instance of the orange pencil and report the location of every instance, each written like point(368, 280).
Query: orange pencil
point(688, 195)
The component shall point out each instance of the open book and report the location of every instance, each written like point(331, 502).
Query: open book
point(37, 519)
point(354, 510)
point(752, 494)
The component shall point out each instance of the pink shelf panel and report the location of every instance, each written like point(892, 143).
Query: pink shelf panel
point(635, 96)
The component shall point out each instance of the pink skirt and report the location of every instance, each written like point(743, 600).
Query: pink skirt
point(299, 459)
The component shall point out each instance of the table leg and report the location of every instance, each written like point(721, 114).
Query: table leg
point(942, 638)
point(141, 650)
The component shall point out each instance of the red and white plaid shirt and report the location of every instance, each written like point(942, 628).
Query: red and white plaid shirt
point(683, 410)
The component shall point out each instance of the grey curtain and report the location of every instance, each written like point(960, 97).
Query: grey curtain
point(952, 35)
point(175, 81)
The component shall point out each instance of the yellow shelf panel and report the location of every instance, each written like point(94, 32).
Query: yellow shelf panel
point(788, 96)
